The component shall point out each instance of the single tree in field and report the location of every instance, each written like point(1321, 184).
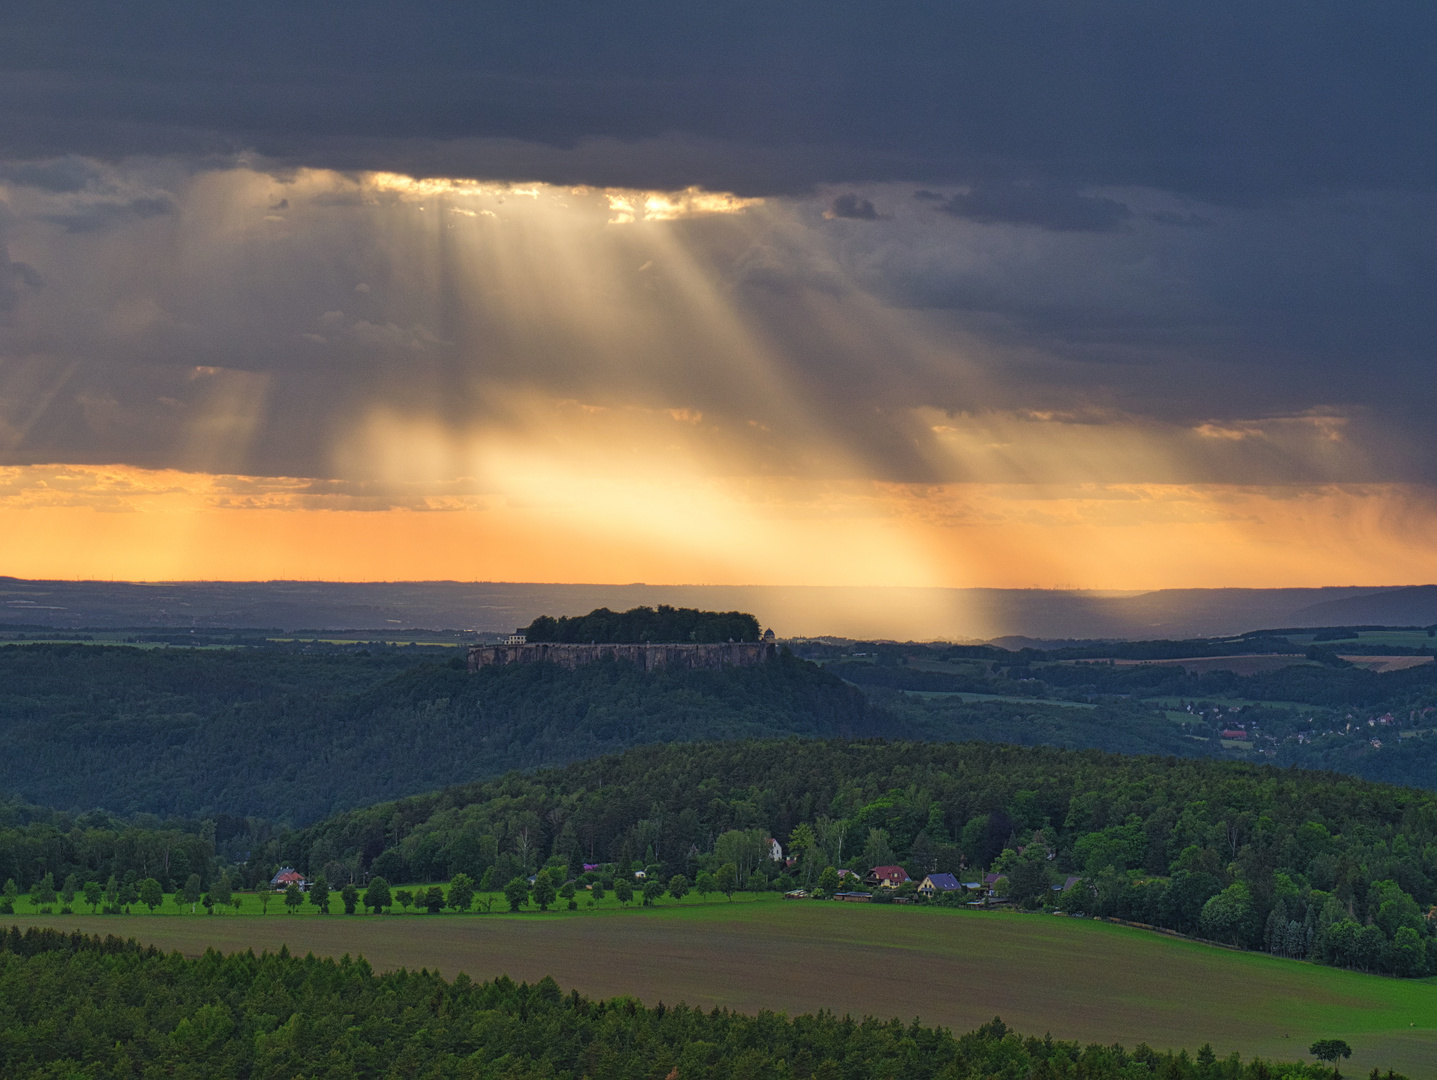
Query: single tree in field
point(11, 894)
point(403, 897)
point(319, 894)
point(433, 900)
point(544, 891)
point(461, 892)
point(597, 892)
point(623, 890)
point(1329, 1050)
point(704, 884)
point(377, 897)
point(349, 895)
point(678, 886)
point(829, 881)
point(293, 897)
point(236, 900)
point(93, 895)
point(190, 894)
point(44, 892)
point(70, 888)
point(652, 891)
point(264, 899)
point(222, 892)
point(726, 879)
point(112, 894)
point(517, 893)
point(152, 894)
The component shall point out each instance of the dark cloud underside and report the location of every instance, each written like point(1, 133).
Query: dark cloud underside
point(1225, 100)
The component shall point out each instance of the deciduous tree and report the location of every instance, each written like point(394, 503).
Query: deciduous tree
point(461, 892)
point(377, 897)
point(152, 895)
point(544, 891)
point(517, 893)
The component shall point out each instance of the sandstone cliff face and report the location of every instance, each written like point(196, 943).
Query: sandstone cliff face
point(645, 657)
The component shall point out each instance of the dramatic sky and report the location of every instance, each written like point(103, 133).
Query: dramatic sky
point(1110, 295)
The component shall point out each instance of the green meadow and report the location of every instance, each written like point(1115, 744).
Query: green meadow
point(1076, 978)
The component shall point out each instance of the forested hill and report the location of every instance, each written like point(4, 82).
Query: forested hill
point(1304, 863)
point(294, 737)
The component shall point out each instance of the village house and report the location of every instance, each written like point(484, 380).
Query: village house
point(286, 876)
point(938, 884)
point(990, 884)
point(887, 877)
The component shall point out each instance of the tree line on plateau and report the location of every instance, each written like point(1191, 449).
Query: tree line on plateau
point(77, 1005)
point(645, 624)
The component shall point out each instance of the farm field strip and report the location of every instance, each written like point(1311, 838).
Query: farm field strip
point(1075, 978)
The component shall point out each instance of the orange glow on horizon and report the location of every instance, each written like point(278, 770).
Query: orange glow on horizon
point(86, 522)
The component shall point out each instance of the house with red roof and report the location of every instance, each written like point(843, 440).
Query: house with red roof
point(886, 877)
point(288, 875)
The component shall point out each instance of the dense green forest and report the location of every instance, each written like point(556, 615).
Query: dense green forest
point(1298, 862)
point(77, 1006)
point(641, 624)
point(95, 846)
point(293, 733)
point(293, 737)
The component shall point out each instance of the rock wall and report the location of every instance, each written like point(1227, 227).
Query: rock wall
point(644, 657)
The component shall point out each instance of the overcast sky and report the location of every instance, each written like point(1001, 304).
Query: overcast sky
point(1102, 294)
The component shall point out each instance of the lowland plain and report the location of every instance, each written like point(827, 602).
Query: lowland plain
point(1075, 978)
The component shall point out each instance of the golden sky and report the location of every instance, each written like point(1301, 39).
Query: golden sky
point(311, 374)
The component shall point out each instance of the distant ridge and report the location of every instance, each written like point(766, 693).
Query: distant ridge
point(903, 614)
point(1413, 606)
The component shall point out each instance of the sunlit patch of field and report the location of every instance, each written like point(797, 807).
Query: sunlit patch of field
point(1076, 978)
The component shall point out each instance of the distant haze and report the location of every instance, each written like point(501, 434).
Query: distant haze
point(858, 612)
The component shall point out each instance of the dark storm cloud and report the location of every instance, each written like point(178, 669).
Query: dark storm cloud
point(1058, 209)
point(14, 276)
point(102, 215)
point(852, 207)
point(1225, 99)
point(1128, 212)
point(62, 176)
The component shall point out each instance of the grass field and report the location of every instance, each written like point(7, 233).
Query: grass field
point(254, 905)
point(1075, 978)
